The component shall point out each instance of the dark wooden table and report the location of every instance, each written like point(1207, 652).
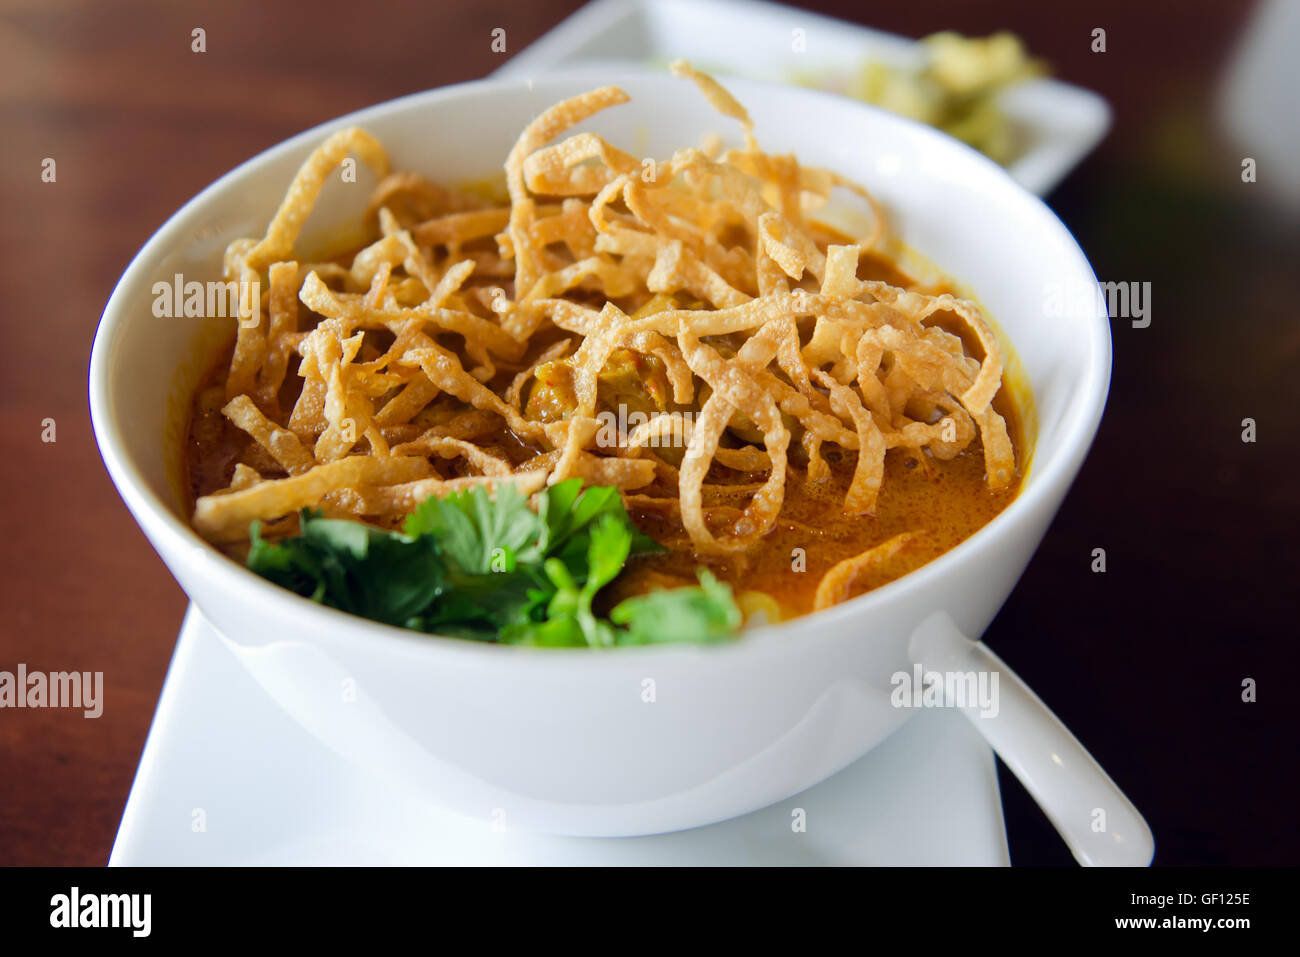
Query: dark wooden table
point(1144, 663)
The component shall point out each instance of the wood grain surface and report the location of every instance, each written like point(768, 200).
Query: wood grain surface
point(1144, 663)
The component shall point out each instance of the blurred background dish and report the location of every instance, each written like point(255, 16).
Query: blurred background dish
point(988, 92)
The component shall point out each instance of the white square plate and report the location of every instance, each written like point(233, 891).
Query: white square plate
point(228, 778)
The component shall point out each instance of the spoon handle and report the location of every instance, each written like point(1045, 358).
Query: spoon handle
point(1099, 824)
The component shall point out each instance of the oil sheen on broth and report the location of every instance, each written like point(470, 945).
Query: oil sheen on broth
point(941, 502)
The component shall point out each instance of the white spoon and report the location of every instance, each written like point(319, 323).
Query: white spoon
point(1099, 824)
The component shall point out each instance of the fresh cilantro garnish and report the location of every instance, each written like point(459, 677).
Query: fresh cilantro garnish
point(379, 575)
point(480, 532)
point(486, 566)
point(569, 619)
point(570, 516)
point(700, 615)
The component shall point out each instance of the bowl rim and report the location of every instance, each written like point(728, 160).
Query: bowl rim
point(1077, 429)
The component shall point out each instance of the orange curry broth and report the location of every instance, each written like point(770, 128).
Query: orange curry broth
point(941, 503)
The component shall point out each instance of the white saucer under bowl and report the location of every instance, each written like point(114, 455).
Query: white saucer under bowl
point(228, 778)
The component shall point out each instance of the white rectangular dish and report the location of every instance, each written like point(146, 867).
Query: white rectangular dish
point(228, 778)
point(1058, 124)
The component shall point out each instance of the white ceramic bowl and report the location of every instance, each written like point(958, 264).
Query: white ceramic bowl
point(565, 740)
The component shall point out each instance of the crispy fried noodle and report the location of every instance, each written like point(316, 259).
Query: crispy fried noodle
point(473, 343)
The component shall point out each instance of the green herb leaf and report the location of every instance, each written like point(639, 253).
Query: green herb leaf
point(569, 518)
point(381, 575)
point(702, 614)
point(569, 618)
point(480, 532)
point(290, 564)
point(485, 566)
